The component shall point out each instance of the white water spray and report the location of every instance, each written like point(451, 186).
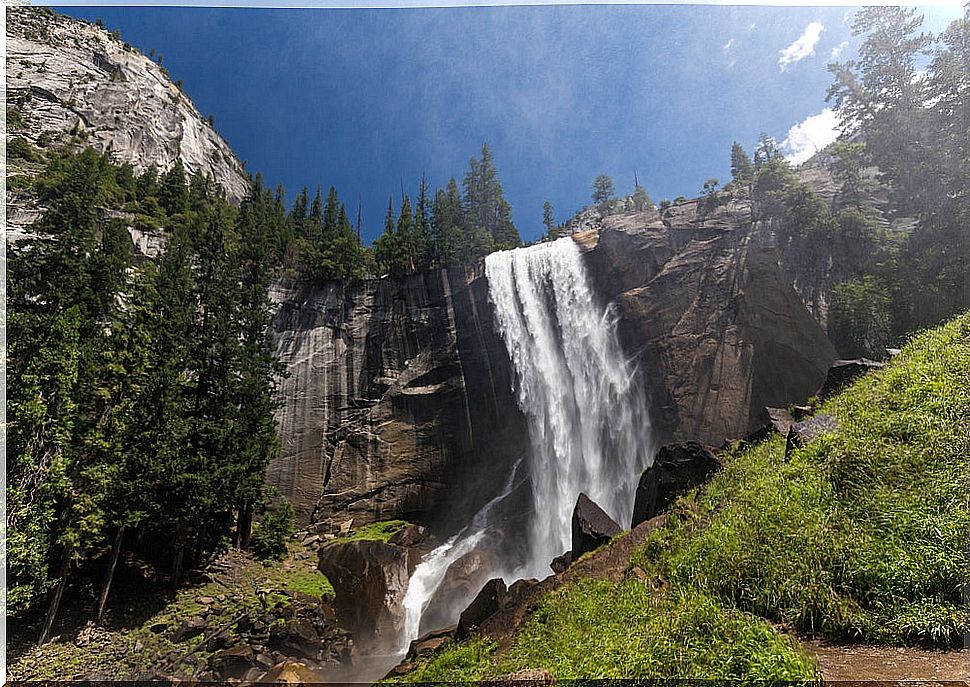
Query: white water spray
point(587, 417)
point(430, 573)
point(589, 428)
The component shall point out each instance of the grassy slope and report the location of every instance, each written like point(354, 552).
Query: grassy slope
point(128, 650)
point(859, 536)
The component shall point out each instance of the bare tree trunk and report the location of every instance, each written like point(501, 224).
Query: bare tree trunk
point(177, 566)
point(245, 526)
point(109, 575)
point(56, 601)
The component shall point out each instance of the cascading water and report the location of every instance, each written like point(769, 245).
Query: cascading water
point(588, 424)
point(586, 412)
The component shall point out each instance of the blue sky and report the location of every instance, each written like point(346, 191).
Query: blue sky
point(368, 100)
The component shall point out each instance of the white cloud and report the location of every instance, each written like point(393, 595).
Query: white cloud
point(837, 50)
point(801, 48)
point(727, 46)
point(811, 135)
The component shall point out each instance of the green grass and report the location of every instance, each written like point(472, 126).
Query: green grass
point(861, 534)
point(310, 582)
point(600, 629)
point(374, 531)
point(124, 653)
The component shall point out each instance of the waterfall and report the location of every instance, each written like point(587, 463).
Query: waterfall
point(586, 410)
point(589, 429)
point(430, 573)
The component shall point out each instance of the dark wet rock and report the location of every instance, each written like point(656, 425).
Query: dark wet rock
point(802, 433)
point(235, 662)
point(462, 581)
point(561, 562)
point(519, 589)
point(411, 535)
point(676, 469)
point(592, 527)
point(397, 390)
point(369, 580)
point(430, 642)
point(843, 372)
point(773, 420)
point(486, 604)
point(193, 627)
point(297, 637)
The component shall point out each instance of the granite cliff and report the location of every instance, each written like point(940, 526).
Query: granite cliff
point(399, 390)
point(66, 77)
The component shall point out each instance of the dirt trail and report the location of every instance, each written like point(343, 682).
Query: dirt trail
point(858, 663)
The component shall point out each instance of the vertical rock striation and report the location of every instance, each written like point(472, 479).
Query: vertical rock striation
point(396, 390)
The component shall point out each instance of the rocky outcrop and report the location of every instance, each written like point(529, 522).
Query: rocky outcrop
point(487, 603)
point(591, 527)
point(807, 431)
point(68, 78)
point(396, 391)
point(369, 580)
point(676, 469)
point(704, 306)
point(844, 372)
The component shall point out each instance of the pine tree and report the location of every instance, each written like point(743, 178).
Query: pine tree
point(742, 169)
point(548, 220)
point(446, 225)
point(487, 215)
point(603, 190)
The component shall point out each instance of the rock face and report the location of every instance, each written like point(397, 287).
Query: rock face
point(592, 527)
point(486, 604)
point(68, 77)
point(802, 433)
point(718, 332)
point(397, 390)
point(676, 469)
point(369, 580)
point(844, 372)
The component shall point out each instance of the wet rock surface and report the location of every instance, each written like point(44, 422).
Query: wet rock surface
point(676, 469)
point(844, 372)
point(398, 390)
point(487, 603)
point(591, 527)
point(369, 579)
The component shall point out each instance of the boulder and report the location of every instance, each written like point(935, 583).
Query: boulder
point(561, 562)
point(369, 580)
point(676, 469)
point(234, 662)
point(533, 677)
point(772, 420)
point(411, 535)
point(486, 604)
point(291, 673)
point(296, 637)
point(592, 527)
point(844, 372)
point(429, 642)
point(190, 628)
point(802, 433)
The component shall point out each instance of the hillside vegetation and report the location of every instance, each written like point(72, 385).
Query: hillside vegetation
point(857, 536)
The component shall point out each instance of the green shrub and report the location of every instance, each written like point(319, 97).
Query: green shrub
point(275, 529)
point(20, 148)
